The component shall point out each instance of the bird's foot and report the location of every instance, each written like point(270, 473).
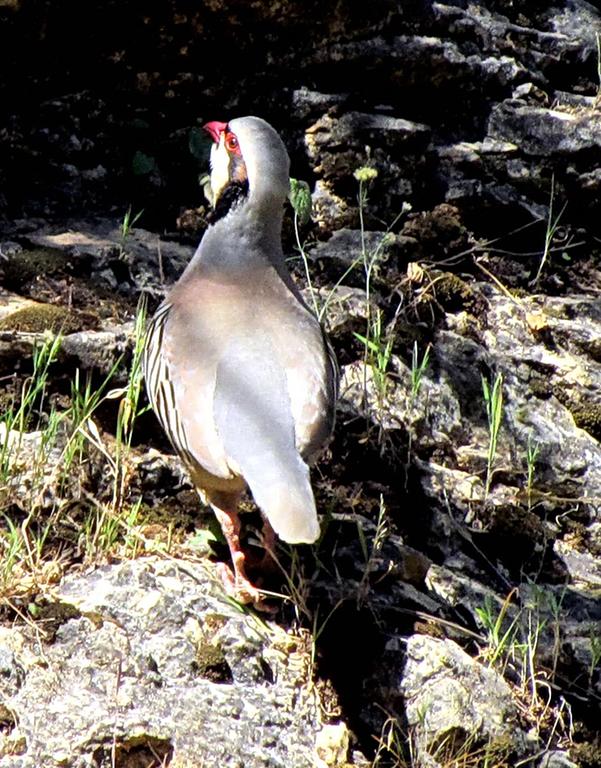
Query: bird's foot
point(238, 587)
point(236, 582)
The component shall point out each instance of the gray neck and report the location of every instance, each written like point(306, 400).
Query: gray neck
point(247, 238)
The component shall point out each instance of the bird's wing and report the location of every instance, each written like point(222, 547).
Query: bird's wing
point(159, 381)
point(188, 346)
point(311, 372)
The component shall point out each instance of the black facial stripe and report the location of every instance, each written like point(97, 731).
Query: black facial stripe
point(231, 196)
point(237, 168)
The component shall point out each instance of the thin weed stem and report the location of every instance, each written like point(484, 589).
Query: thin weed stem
point(493, 398)
point(552, 226)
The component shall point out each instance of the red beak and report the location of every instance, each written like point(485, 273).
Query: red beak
point(214, 129)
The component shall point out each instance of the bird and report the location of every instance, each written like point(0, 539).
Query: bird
point(237, 367)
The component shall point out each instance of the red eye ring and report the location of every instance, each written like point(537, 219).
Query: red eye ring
point(231, 143)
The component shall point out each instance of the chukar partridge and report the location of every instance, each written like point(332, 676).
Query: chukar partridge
point(237, 367)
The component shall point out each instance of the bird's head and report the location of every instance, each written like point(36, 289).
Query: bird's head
point(248, 154)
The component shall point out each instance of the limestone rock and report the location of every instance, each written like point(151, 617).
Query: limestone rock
point(150, 656)
point(544, 132)
point(454, 703)
point(145, 259)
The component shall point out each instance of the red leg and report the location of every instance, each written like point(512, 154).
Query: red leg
point(236, 583)
point(267, 562)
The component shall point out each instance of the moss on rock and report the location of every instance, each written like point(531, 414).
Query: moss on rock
point(210, 663)
point(440, 231)
point(38, 318)
point(588, 417)
point(454, 294)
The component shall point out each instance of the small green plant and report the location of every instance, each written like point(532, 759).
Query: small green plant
point(552, 227)
point(532, 454)
point(377, 346)
point(108, 523)
point(26, 437)
point(513, 642)
point(129, 406)
point(300, 198)
point(493, 399)
point(12, 550)
point(85, 399)
point(80, 427)
point(131, 541)
point(418, 368)
point(100, 531)
point(541, 614)
point(391, 749)
point(34, 538)
point(371, 553)
point(374, 349)
point(548, 607)
point(377, 342)
point(49, 450)
point(500, 635)
point(127, 224)
point(365, 175)
point(378, 352)
point(23, 546)
point(595, 643)
point(20, 418)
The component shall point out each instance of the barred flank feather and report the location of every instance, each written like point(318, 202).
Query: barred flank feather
point(159, 385)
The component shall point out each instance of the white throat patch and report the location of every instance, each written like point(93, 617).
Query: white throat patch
point(220, 168)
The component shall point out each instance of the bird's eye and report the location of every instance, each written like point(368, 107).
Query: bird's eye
point(231, 142)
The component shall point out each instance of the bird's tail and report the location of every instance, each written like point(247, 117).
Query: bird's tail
point(254, 420)
point(287, 501)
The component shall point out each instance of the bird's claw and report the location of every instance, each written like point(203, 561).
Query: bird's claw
point(241, 590)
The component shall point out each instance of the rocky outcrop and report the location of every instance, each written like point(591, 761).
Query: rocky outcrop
point(148, 661)
point(452, 151)
point(451, 698)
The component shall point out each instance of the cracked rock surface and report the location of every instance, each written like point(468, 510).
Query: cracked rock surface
point(451, 610)
point(149, 656)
